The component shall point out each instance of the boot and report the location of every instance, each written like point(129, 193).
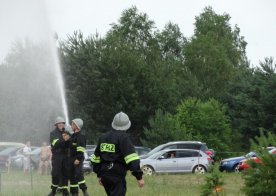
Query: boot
point(85, 193)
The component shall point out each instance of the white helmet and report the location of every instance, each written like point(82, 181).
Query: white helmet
point(121, 122)
point(78, 122)
point(59, 120)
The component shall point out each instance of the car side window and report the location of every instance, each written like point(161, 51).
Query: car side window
point(169, 155)
point(184, 154)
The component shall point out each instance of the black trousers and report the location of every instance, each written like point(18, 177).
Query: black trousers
point(76, 177)
point(114, 185)
point(59, 172)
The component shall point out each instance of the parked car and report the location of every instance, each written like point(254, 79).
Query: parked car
point(270, 148)
point(140, 150)
point(273, 151)
point(5, 156)
point(89, 152)
point(17, 161)
point(176, 161)
point(231, 164)
point(181, 145)
point(87, 167)
point(243, 164)
point(91, 146)
point(4, 145)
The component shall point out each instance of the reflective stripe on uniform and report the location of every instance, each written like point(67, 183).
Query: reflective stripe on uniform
point(95, 159)
point(80, 149)
point(74, 185)
point(131, 157)
point(63, 187)
point(53, 185)
point(54, 142)
point(81, 182)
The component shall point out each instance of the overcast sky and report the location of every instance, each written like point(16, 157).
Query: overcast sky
point(256, 19)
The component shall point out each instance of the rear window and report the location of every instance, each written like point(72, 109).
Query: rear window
point(204, 147)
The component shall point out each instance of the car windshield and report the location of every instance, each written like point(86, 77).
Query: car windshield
point(156, 149)
point(156, 155)
point(250, 154)
point(8, 150)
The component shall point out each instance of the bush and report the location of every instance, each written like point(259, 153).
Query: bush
point(260, 178)
point(214, 182)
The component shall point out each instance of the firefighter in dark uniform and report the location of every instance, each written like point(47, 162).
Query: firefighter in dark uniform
point(114, 155)
point(59, 146)
point(77, 148)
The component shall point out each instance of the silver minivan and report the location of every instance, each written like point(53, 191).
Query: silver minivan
point(176, 161)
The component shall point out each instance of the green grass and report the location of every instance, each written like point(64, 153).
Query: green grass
point(19, 184)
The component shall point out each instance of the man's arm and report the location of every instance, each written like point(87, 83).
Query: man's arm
point(81, 144)
point(96, 160)
point(57, 142)
point(131, 157)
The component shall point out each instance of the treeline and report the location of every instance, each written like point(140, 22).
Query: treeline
point(173, 87)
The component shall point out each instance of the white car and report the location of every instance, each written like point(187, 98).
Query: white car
point(176, 161)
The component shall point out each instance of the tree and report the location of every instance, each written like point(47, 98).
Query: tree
point(126, 70)
point(163, 128)
point(251, 101)
point(194, 120)
point(214, 52)
point(206, 121)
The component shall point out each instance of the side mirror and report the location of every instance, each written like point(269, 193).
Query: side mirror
point(161, 157)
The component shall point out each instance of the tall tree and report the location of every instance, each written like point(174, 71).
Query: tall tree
point(214, 52)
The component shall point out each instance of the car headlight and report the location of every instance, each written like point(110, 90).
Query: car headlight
point(224, 163)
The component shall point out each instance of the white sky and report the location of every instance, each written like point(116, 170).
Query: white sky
point(256, 18)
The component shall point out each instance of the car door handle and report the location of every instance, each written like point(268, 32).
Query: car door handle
point(174, 161)
point(192, 160)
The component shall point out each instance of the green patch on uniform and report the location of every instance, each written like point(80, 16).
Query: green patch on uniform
point(74, 144)
point(107, 147)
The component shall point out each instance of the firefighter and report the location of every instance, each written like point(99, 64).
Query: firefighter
point(59, 147)
point(77, 148)
point(114, 155)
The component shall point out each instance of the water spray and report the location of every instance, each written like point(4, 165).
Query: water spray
point(60, 81)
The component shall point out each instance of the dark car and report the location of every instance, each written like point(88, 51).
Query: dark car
point(193, 145)
point(232, 164)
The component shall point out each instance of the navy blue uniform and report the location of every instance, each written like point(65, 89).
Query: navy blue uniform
point(113, 157)
point(59, 149)
point(77, 149)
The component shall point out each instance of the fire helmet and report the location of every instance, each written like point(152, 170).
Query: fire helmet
point(121, 122)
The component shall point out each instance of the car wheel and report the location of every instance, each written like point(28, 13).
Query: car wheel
point(236, 168)
point(199, 169)
point(148, 170)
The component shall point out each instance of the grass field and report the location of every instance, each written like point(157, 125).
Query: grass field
point(19, 184)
